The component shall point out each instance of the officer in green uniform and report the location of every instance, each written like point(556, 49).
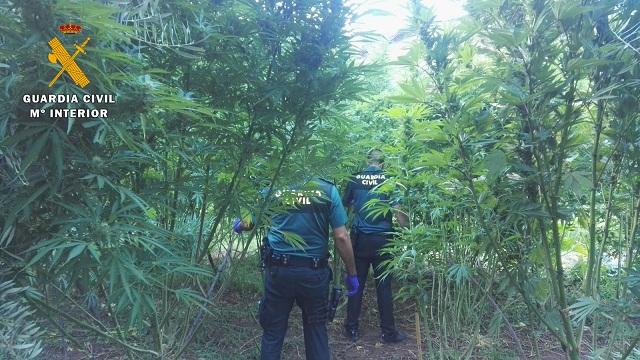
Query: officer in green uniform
point(299, 273)
point(370, 234)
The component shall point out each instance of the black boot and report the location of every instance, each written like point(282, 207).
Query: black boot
point(394, 337)
point(351, 334)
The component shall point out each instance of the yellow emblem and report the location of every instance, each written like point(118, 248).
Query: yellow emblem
point(59, 54)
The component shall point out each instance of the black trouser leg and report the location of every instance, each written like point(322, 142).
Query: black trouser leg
point(384, 297)
point(354, 303)
point(311, 295)
point(274, 312)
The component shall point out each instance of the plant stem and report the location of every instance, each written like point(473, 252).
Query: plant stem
point(37, 302)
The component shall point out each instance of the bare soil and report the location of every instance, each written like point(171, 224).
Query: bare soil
point(235, 334)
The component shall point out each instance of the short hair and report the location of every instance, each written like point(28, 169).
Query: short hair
point(375, 156)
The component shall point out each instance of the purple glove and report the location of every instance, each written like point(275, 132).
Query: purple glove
point(237, 226)
point(352, 284)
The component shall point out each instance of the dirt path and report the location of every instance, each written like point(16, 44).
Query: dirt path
point(233, 333)
point(369, 345)
point(240, 336)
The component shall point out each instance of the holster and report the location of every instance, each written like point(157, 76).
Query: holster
point(334, 301)
point(265, 253)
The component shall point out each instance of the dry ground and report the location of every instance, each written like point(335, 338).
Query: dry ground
point(235, 334)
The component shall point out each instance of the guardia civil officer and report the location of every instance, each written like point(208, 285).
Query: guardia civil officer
point(369, 234)
point(299, 273)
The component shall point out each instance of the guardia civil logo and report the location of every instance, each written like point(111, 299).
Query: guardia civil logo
point(69, 106)
point(67, 62)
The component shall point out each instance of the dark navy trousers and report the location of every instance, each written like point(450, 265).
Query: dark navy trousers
point(309, 289)
point(366, 249)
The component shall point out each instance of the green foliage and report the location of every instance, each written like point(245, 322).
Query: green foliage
point(513, 140)
point(503, 153)
point(582, 308)
point(215, 101)
point(19, 333)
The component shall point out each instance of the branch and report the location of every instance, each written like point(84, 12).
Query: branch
point(195, 325)
point(625, 42)
point(39, 303)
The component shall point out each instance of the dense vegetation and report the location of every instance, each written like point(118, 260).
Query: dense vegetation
point(514, 138)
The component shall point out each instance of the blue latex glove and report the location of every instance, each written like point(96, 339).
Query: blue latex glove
point(237, 223)
point(352, 284)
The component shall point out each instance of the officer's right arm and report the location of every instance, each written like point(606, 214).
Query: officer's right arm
point(343, 246)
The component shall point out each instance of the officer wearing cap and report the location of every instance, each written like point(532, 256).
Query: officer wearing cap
point(369, 234)
point(296, 264)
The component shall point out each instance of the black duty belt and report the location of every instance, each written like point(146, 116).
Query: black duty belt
point(276, 259)
point(355, 233)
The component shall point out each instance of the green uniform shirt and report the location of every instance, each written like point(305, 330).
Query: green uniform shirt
point(303, 216)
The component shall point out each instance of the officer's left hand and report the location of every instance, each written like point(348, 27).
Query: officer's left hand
point(352, 284)
point(237, 226)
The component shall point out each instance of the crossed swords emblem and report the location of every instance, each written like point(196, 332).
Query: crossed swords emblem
point(59, 54)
